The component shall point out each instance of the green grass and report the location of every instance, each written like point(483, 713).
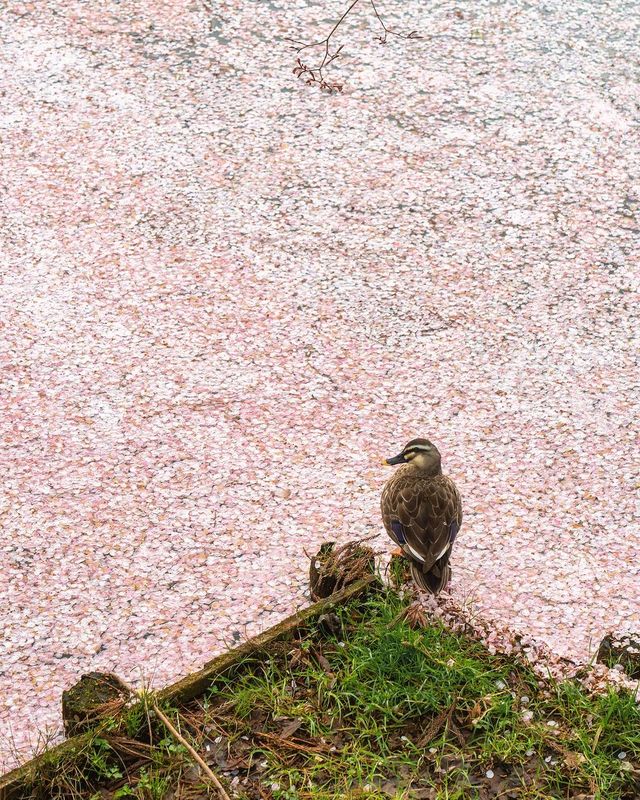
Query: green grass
point(381, 686)
point(376, 709)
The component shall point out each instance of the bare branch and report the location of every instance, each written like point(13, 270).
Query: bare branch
point(316, 75)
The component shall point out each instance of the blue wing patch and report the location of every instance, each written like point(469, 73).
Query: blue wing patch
point(453, 531)
point(398, 531)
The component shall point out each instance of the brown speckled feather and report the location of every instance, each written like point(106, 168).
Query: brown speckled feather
point(429, 510)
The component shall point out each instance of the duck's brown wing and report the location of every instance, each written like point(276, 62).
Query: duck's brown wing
point(423, 515)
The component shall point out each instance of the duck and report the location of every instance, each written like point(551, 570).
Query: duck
point(422, 513)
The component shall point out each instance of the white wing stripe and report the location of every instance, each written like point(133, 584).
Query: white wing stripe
point(446, 547)
point(415, 554)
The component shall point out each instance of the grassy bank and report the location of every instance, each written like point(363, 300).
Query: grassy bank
point(364, 705)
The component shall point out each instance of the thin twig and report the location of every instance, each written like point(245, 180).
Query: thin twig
point(388, 31)
point(325, 41)
point(203, 765)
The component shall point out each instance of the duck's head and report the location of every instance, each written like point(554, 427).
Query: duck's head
point(420, 454)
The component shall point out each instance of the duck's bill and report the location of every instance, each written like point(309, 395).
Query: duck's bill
point(399, 459)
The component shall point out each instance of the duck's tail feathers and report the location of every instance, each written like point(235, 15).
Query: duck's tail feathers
point(435, 579)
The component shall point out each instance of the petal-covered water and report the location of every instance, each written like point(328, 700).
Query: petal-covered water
point(226, 295)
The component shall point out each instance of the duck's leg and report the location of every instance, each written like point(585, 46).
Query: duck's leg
point(397, 552)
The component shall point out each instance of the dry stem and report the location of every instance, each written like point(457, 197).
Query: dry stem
point(203, 765)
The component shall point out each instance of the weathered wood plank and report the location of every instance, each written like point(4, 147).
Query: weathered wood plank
point(195, 684)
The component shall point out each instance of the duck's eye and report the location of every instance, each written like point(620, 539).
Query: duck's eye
point(411, 454)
